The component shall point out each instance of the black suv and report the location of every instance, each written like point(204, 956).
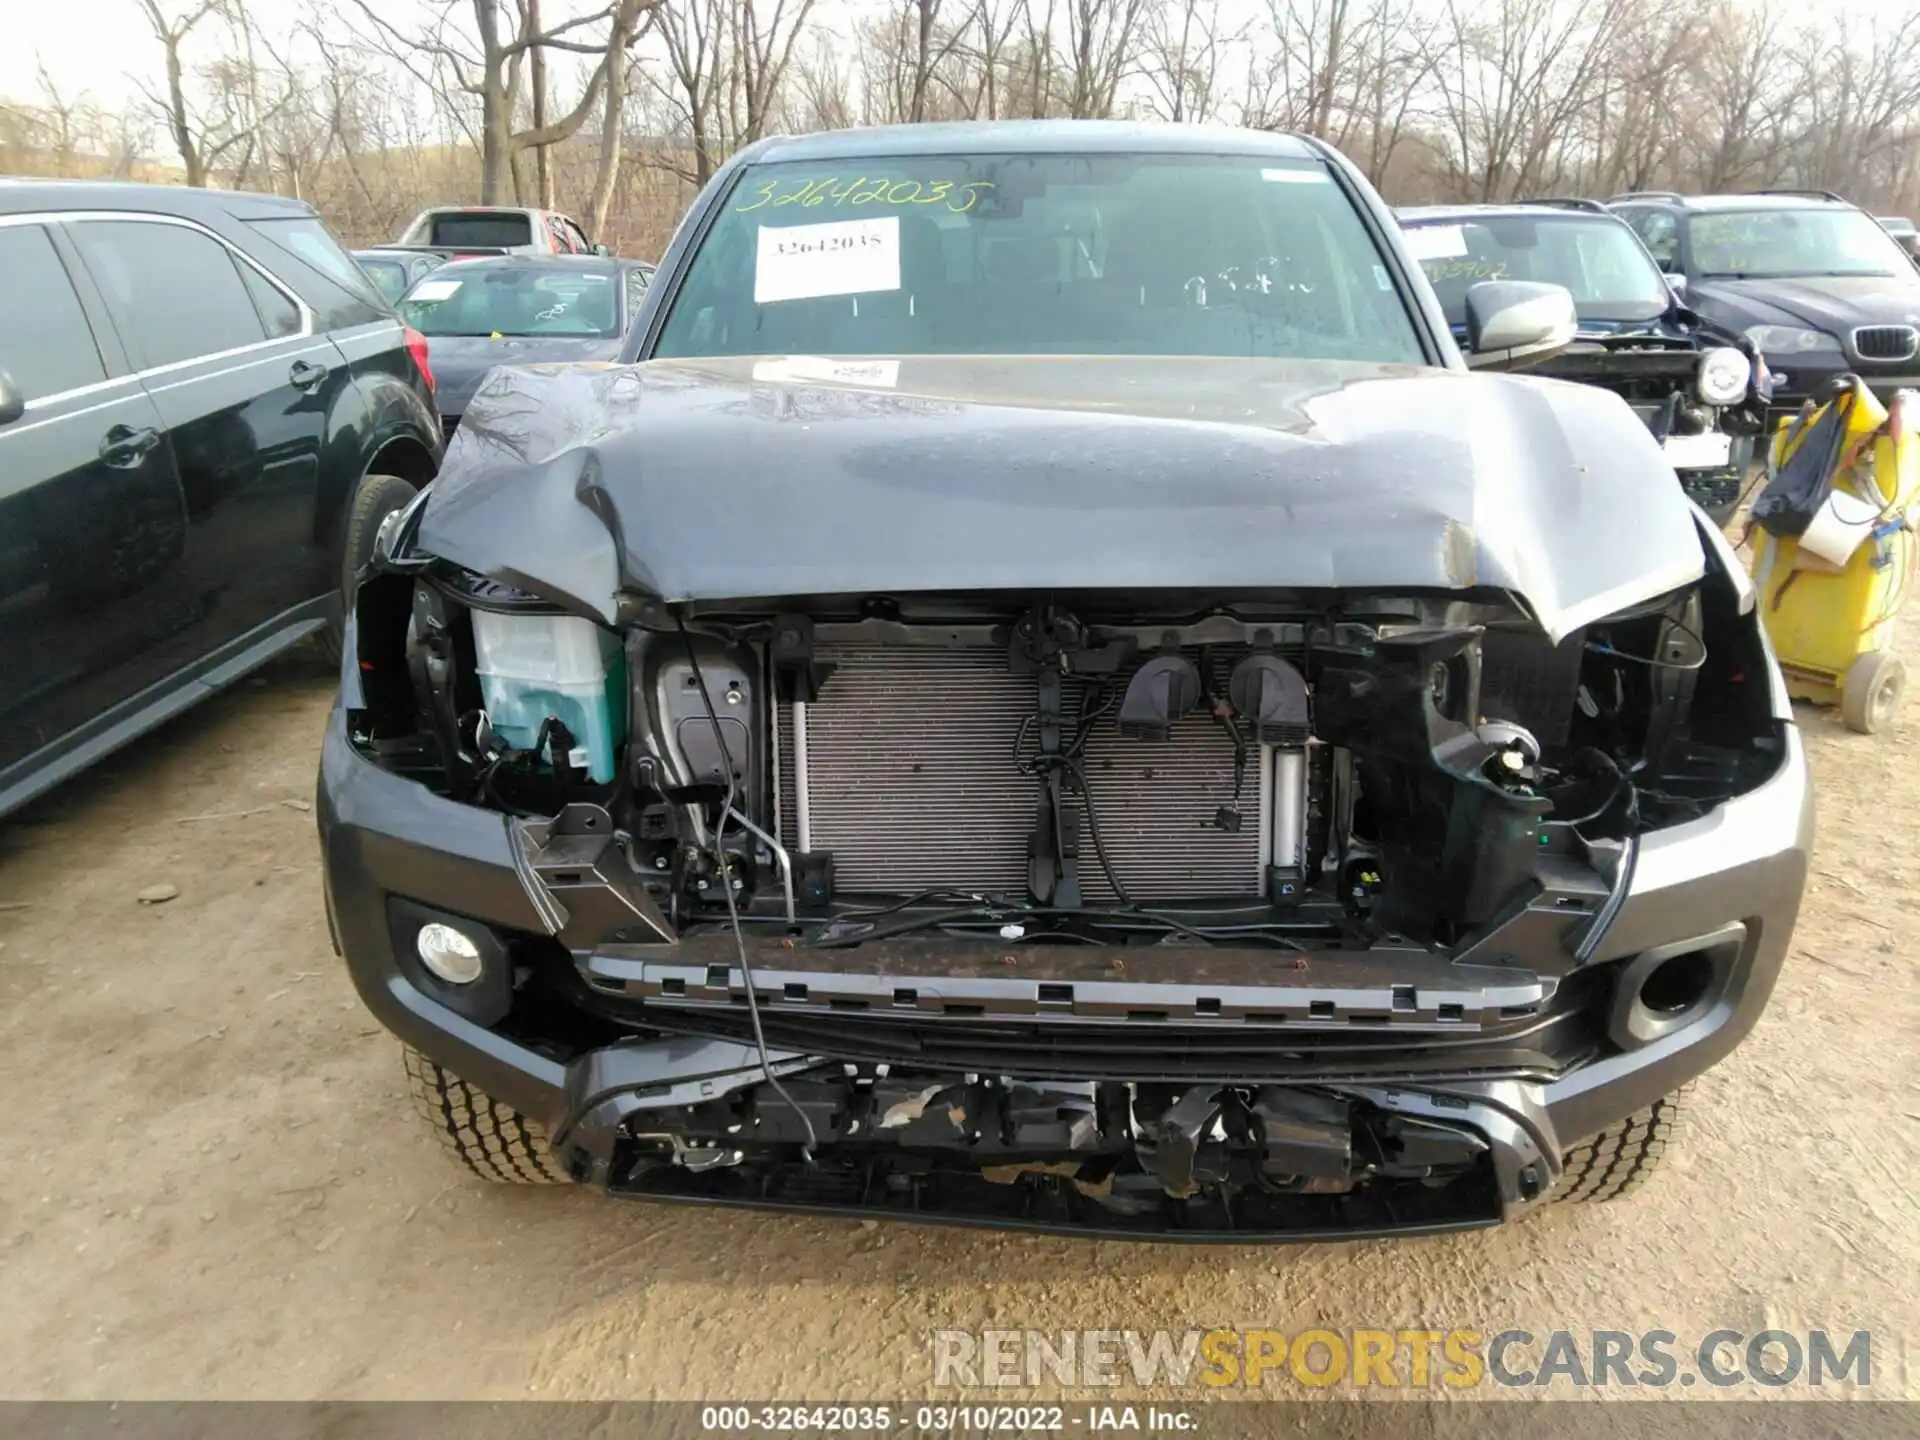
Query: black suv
point(1815, 283)
point(206, 409)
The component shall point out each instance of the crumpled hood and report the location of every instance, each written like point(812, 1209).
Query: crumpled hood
point(461, 362)
point(1833, 303)
point(719, 479)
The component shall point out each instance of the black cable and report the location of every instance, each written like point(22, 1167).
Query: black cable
point(1622, 783)
point(1079, 777)
point(1655, 661)
point(726, 889)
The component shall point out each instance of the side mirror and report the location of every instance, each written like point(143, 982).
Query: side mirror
point(1511, 323)
point(603, 249)
point(1678, 285)
point(12, 403)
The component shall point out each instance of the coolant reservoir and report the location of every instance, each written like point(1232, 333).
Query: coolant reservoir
point(535, 666)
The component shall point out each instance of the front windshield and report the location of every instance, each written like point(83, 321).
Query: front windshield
point(1763, 244)
point(516, 297)
point(1610, 274)
point(1040, 254)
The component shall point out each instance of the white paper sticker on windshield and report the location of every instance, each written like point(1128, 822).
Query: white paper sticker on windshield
point(846, 257)
point(434, 290)
point(1301, 176)
point(1437, 242)
point(879, 374)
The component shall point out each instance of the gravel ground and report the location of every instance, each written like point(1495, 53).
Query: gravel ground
point(214, 1186)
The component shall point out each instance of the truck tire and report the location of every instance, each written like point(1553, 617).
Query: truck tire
point(1618, 1160)
point(374, 498)
point(494, 1141)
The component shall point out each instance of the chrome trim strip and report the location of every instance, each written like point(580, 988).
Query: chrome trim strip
point(145, 217)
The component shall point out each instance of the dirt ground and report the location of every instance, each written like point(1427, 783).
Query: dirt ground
point(213, 1186)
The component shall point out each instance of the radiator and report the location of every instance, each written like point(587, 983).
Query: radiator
point(904, 769)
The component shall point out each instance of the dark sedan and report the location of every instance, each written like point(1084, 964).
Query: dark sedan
point(520, 310)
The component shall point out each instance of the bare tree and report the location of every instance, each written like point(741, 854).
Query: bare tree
point(199, 141)
point(630, 19)
point(1180, 58)
point(489, 64)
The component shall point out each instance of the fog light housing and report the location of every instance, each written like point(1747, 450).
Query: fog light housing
point(1661, 990)
point(453, 960)
point(448, 954)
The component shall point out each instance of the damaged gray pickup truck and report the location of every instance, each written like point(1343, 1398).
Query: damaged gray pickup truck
point(1042, 692)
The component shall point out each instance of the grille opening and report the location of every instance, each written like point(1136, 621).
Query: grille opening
point(1453, 1012)
point(673, 986)
point(1677, 984)
point(906, 997)
point(795, 991)
point(1056, 994)
point(1320, 1009)
point(716, 977)
point(911, 781)
point(1886, 342)
point(1404, 998)
point(1206, 1005)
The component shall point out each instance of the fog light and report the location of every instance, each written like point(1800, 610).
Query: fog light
point(448, 954)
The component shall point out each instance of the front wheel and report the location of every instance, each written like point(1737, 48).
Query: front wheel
point(493, 1140)
point(374, 498)
point(1619, 1159)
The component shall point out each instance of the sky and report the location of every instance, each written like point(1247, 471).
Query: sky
point(93, 45)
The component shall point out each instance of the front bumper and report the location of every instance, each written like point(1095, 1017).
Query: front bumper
point(1730, 882)
point(1812, 378)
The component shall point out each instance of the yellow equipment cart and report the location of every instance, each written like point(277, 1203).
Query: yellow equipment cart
point(1830, 589)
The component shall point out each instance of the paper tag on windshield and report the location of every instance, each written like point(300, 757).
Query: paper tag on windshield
point(846, 257)
point(1301, 175)
point(1437, 242)
point(434, 289)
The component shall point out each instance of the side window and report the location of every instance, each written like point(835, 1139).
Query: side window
point(46, 345)
point(279, 314)
point(636, 291)
point(578, 236)
point(1660, 234)
point(178, 292)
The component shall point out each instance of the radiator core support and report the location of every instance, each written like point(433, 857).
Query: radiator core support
point(909, 767)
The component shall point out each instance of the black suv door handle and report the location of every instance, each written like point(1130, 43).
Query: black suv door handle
point(123, 447)
point(305, 375)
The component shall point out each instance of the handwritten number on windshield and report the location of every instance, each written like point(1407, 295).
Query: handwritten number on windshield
point(861, 190)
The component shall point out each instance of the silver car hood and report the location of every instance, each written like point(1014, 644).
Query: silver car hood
point(690, 480)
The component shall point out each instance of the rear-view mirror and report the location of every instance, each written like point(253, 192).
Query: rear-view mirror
point(13, 404)
point(1511, 323)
